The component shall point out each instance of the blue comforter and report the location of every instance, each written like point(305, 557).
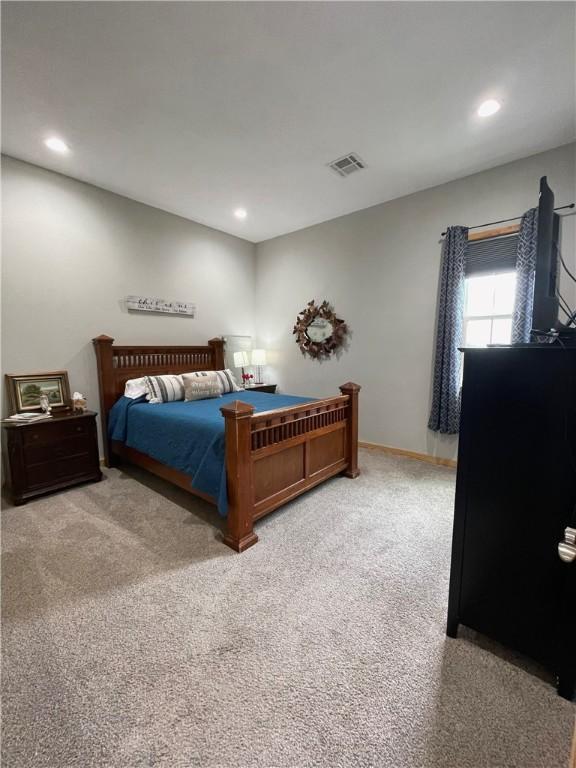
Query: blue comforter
point(187, 436)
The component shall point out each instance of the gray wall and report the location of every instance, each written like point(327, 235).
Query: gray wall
point(72, 252)
point(379, 267)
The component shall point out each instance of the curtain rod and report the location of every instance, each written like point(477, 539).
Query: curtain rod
point(514, 218)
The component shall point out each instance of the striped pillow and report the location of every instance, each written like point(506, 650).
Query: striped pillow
point(165, 389)
point(226, 380)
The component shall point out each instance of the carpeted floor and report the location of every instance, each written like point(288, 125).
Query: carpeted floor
point(133, 637)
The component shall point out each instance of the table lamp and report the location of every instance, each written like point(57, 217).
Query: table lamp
point(240, 360)
point(259, 359)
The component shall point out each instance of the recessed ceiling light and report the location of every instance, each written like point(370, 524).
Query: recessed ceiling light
point(488, 108)
point(240, 213)
point(57, 145)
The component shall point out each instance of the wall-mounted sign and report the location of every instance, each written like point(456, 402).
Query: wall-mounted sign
point(143, 304)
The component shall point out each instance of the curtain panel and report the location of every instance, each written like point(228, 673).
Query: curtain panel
point(445, 410)
point(525, 270)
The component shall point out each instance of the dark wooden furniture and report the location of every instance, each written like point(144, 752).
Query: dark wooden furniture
point(50, 455)
point(271, 457)
point(271, 388)
point(515, 495)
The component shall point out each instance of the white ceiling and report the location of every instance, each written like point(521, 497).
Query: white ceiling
point(199, 108)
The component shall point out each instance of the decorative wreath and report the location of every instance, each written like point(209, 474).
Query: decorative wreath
point(319, 349)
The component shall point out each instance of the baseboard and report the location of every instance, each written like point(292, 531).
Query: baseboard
point(438, 460)
point(388, 449)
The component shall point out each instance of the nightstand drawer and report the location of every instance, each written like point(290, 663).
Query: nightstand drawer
point(70, 446)
point(53, 472)
point(47, 432)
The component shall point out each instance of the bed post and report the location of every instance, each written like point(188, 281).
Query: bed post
point(217, 346)
point(239, 474)
point(103, 347)
point(352, 391)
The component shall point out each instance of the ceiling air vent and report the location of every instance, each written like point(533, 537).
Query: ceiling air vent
point(348, 164)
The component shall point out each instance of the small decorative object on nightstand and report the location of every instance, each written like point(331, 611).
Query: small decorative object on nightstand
point(50, 454)
point(241, 360)
point(45, 404)
point(271, 388)
point(78, 402)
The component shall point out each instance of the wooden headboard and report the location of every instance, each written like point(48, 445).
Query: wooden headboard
point(118, 364)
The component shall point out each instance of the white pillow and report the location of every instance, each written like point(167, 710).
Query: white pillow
point(135, 388)
point(201, 387)
point(226, 380)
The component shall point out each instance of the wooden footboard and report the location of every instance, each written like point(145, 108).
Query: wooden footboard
point(274, 456)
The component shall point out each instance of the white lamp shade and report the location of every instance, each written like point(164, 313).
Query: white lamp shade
point(258, 357)
point(241, 359)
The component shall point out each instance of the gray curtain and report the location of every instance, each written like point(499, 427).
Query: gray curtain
point(445, 411)
point(525, 266)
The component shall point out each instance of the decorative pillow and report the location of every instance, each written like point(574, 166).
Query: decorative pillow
point(165, 389)
point(201, 387)
point(225, 378)
point(135, 388)
point(227, 382)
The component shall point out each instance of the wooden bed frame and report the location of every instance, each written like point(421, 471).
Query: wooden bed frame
point(271, 457)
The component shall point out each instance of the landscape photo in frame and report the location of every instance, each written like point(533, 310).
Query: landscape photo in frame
point(26, 390)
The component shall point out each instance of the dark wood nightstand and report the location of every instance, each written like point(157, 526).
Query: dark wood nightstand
point(49, 455)
point(263, 388)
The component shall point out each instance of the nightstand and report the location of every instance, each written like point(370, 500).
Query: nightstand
point(263, 388)
point(49, 455)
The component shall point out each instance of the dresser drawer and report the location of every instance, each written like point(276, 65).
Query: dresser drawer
point(50, 432)
point(53, 472)
point(65, 448)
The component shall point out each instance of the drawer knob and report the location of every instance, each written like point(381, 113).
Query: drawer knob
point(567, 548)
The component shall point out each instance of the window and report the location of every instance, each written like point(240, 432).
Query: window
point(488, 308)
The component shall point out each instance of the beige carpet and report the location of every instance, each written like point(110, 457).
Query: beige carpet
point(133, 637)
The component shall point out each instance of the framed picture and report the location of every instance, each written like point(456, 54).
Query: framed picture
point(25, 391)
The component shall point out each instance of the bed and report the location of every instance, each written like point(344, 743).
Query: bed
point(270, 455)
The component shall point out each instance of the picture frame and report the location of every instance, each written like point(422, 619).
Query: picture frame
point(24, 391)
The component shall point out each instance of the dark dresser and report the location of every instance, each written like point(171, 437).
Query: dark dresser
point(49, 455)
point(515, 496)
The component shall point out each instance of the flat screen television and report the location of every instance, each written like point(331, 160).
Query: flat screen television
point(546, 304)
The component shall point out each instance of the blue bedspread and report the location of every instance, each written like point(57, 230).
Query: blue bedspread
point(187, 436)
